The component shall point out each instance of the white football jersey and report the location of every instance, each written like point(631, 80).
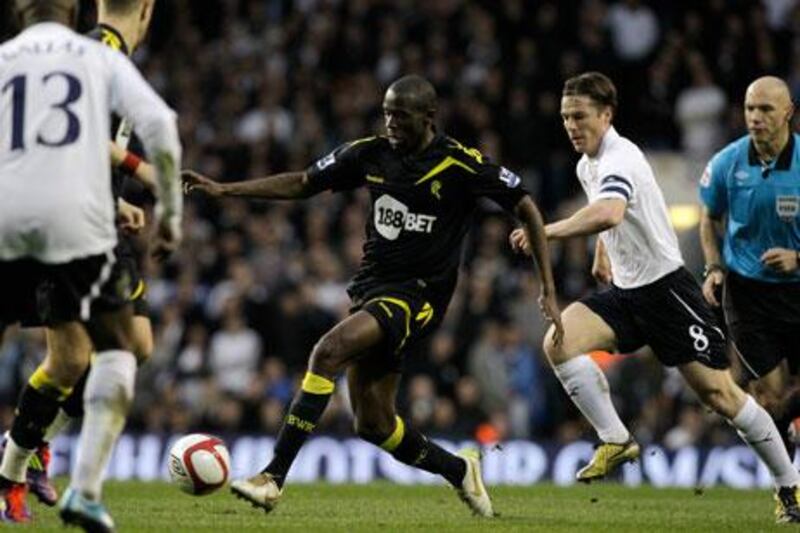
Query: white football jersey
point(643, 247)
point(57, 92)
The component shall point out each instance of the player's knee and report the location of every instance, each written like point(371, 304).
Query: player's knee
point(65, 367)
point(374, 429)
point(555, 353)
point(327, 355)
point(70, 369)
point(720, 399)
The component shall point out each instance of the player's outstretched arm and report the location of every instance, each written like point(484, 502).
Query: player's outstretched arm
point(133, 166)
point(533, 227)
point(285, 186)
point(710, 230)
point(598, 216)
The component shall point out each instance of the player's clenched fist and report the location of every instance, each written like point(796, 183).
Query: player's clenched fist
point(193, 181)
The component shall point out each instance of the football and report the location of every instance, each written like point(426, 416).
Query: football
point(199, 464)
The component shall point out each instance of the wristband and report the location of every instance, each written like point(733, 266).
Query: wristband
point(130, 163)
point(712, 267)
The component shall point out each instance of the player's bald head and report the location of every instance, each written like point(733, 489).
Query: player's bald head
point(33, 11)
point(771, 88)
point(414, 91)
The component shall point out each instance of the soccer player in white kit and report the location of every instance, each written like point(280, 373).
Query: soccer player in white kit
point(57, 226)
point(652, 300)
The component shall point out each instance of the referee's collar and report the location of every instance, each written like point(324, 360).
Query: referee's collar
point(784, 161)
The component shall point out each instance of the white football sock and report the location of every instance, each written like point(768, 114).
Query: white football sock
point(587, 387)
point(758, 430)
point(15, 461)
point(59, 422)
point(108, 396)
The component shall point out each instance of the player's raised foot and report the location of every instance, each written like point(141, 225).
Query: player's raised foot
point(13, 505)
point(607, 457)
point(80, 511)
point(260, 490)
point(787, 510)
point(473, 491)
point(38, 482)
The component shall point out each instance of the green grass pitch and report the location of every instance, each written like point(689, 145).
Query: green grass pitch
point(138, 506)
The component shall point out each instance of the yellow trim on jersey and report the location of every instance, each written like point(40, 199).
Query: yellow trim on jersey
point(42, 382)
point(386, 308)
point(474, 153)
point(138, 291)
point(315, 384)
point(406, 309)
point(374, 179)
point(362, 140)
point(111, 40)
point(443, 165)
point(425, 315)
point(396, 437)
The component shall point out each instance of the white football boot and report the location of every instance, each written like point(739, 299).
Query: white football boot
point(472, 490)
point(260, 490)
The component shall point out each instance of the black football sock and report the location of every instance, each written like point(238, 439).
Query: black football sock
point(37, 408)
point(411, 447)
point(305, 412)
point(73, 405)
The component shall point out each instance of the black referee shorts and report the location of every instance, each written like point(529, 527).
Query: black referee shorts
point(669, 315)
point(407, 315)
point(764, 323)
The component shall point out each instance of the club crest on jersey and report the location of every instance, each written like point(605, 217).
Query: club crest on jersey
point(392, 216)
point(509, 178)
point(787, 207)
point(436, 188)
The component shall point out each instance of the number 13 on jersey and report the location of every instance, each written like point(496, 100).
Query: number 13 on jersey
point(62, 91)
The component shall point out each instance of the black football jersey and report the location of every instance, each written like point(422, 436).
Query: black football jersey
point(422, 206)
point(121, 131)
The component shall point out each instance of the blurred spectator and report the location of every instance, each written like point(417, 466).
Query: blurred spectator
point(634, 29)
point(699, 110)
point(234, 353)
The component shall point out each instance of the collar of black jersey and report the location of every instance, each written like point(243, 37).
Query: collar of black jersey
point(105, 28)
point(784, 161)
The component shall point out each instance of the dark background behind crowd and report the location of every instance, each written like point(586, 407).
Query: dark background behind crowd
point(263, 86)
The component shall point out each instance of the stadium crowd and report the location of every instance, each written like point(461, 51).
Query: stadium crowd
point(263, 86)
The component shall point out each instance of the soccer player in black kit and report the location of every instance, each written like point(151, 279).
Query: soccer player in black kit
point(424, 186)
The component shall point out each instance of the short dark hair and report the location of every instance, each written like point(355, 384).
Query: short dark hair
point(121, 6)
point(33, 11)
point(597, 86)
point(417, 88)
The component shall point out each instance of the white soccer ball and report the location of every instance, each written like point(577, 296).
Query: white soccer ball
point(199, 464)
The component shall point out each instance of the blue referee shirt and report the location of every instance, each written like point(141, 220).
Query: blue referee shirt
point(762, 204)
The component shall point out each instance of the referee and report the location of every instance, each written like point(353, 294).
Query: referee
point(751, 191)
